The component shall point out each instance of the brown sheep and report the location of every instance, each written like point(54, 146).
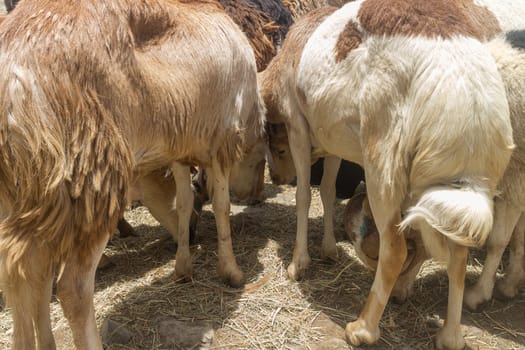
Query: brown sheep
point(265, 24)
point(265, 30)
point(93, 97)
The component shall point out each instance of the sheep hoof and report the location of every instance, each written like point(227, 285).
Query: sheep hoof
point(504, 291)
point(294, 273)
point(474, 300)
point(298, 266)
point(357, 333)
point(446, 340)
point(329, 251)
point(183, 268)
point(232, 275)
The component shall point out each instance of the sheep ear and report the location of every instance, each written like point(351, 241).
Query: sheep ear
point(366, 207)
point(361, 188)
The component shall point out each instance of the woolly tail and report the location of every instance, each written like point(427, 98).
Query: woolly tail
point(462, 212)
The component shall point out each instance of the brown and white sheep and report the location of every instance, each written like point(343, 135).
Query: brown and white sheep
point(92, 97)
point(509, 220)
point(508, 51)
point(509, 15)
point(378, 83)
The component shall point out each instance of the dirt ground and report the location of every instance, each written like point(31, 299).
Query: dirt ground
point(140, 294)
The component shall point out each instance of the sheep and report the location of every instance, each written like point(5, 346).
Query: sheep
point(10, 4)
point(509, 53)
point(265, 23)
point(510, 16)
point(364, 86)
point(299, 8)
point(95, 96)
point(508, 50)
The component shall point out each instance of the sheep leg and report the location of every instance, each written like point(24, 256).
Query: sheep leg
point(505, 220)
point(20, 296)
point(515, 273)
point(300, 148)
point(449, 337)
point(158, 195)
point(29, 298)
point(227, 267)
point(392, 255)
point(75, 290)
point(183, 206)
point(330, 169)
point(404, 287)
point(44, 334)
point(125, 229)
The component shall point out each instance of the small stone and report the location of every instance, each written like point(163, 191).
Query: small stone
point(331, 343)
point(114, 333)
point(327, 327)
point(186, 335)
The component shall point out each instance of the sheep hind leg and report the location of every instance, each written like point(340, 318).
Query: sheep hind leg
point(505, 219)
point(183, 207)
point(392, 255)
point(44, 334)
point(515, 273)
point(449, 337)
point(75, 290)
point(29, 298)
point(227, 267)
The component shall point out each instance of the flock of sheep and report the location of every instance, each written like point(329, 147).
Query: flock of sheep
point(106, 102)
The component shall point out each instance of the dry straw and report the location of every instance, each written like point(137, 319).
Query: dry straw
point(271, 312)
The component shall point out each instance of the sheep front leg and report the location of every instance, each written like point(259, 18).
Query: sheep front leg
point(404, 287)
point(227, 268)
point(159, 196)
point(300, 148)
point(330, 169)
